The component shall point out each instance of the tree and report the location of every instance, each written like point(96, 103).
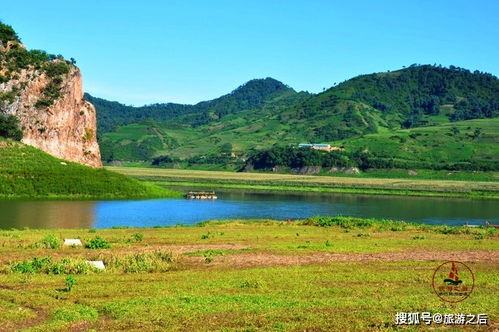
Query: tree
point(226, 148)
point(70, 281)
point(454, 130)
point(9, 127)
point(476, 133)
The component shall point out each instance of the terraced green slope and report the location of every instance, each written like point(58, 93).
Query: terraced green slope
point(467, 142)
point(26, 172)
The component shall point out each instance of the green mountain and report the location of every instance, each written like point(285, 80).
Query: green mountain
point(250, 96)
point(411, 97)
point(264, 113)
point(140, 133)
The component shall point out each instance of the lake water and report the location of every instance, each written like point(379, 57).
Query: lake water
point(236, 204)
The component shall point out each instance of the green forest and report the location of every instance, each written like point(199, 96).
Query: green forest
point(422, 116)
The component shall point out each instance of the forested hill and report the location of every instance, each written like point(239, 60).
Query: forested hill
point(112, 114)
point(401, 98)
point(410, 94)
point(410, 97)
point(252, 95)
point(264, 113)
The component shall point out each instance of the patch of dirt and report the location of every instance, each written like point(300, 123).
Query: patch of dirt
point(268, 259)
point(182, 248)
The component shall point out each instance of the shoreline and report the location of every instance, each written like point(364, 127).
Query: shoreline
point(367, 191)
point(310, 183)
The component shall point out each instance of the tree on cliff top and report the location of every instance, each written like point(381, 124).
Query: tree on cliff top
point(7, 33)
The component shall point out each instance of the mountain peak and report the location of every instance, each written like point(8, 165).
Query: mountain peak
point(263, 86)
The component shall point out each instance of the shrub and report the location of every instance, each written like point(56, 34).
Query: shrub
point(98, 243)
point(343, 222)
point(138, 237)
point(398, 227)
point(54, 69)
point(7, 96)
point(252, 284)
point(34, 266)
point(50, 242)
point(7, 33)
point(479, 236)
point(9, 127)
point(448, 230)
point(43, 103)
point(70, 281)
point(208, 258)
point(74, 313)
point(158, 261)
point(76, 266)
point(46, 265)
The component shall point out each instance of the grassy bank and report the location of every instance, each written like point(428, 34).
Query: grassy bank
point(26, 172)
point(264, 181)
point(317, 274)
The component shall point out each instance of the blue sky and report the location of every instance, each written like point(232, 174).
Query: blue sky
point(141, 52)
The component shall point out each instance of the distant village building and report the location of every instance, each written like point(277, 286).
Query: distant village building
point(322, 147)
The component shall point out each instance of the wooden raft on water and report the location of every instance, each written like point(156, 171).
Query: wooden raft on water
point(201, 195)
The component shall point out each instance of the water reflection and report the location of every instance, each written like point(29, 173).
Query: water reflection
point(242, 204)
point(47, 214)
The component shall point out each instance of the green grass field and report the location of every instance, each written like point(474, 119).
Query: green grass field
point(26, 172)
point(266, 181)
point(349, 275)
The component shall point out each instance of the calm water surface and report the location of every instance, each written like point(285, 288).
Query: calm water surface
point(102, 214)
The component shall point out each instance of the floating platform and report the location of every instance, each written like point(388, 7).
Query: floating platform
point(201, 195)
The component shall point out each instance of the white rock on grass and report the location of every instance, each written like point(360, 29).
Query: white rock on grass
point(72, 242)
point(96, 264)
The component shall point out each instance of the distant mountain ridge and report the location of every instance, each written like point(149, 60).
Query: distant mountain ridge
point(265, 112)
point(251, 95)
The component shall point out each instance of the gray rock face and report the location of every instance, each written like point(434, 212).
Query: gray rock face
point(346, 170)
point(307, 170)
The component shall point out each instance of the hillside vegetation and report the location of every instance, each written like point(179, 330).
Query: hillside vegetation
point(249, 96)
point(464, 145)
point(26, 172)
point(265, 113)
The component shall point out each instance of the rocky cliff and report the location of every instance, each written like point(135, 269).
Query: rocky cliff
point(45, 93)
